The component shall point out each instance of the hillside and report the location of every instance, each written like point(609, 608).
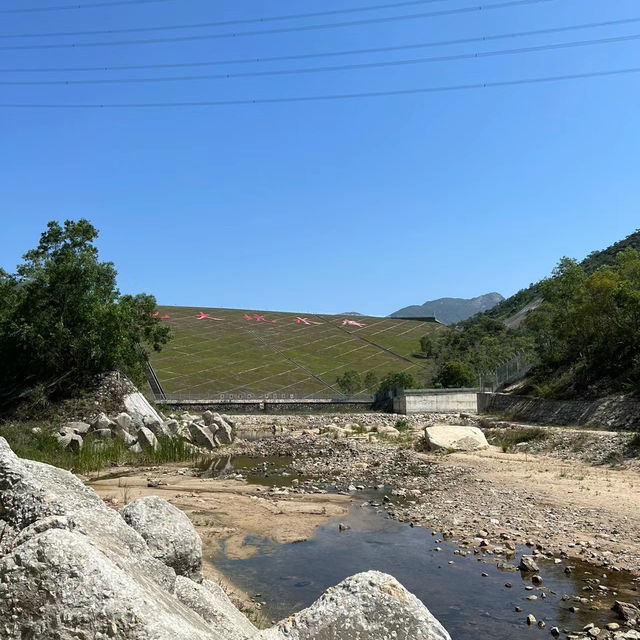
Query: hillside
point(516, 303)
point(236, 351)
point(450, 310)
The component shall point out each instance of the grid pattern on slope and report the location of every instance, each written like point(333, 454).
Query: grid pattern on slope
point(208, 356)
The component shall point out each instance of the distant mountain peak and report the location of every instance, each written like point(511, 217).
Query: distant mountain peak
point(450, 310)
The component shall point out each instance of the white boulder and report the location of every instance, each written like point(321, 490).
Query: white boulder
point(454, 438)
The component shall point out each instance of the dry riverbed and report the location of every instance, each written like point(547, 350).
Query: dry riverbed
point(550, 497)
point(224, 512)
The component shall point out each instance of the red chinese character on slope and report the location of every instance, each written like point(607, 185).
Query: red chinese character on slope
point(165, 317)
point(156, 314)
point(302, 321)
point(352, 323)
point(259, 318)
point(201, 315)
point(247, 317)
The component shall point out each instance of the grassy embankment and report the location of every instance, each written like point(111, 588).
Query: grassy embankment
point(238, 356)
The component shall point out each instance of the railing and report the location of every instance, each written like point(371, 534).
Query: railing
point(506, 372)
point(245, 398)
point(422, 392)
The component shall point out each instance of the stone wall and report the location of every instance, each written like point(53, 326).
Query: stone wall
point(274, 407)
point(612, 413)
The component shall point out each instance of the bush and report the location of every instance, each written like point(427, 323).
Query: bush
point(456, 374)
point(402, 425)
point(510, 438)
point(349, 382)
point(396, 381)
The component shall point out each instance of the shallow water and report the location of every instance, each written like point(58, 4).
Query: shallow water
point(265, 471)
point(472, 607)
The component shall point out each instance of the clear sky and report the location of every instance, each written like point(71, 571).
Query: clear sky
point(365, 204)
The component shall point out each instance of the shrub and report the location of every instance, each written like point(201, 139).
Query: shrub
point(455, 374)
point(396, 381)
point(349, 382)
point(510, 438)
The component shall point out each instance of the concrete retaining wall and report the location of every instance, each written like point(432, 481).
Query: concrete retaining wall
point(610, 413)
point(436, 401)
point(274, 406)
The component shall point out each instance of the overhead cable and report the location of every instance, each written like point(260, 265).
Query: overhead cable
point(313, 27)
point(326, 54)
point(66, 7)
point(325, 97)
point(348, 67)
point(224, 23)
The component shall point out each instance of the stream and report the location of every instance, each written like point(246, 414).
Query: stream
point(467, 593)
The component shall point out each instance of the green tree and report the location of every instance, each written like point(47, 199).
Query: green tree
point(396, 381)
point(63, 321)
point(427, 346)
point(349, 382)
point(587, 330)
point(371, 381)
point(456, 375)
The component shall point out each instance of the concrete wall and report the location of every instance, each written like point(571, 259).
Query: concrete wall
point(436, 401)
point(274, 406)
point(612, 413)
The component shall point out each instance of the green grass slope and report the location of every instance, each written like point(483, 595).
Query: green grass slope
point(279, 356)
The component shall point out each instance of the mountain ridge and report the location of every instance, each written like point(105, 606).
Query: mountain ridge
point(450, 310)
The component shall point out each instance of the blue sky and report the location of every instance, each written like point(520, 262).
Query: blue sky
point(369, 204)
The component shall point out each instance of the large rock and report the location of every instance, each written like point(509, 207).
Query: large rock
point(368, 605)
point(224, 432)
point(75, 569)
point(211, 603)
point(125, 422)
point(157, 428)
point(172, 427)
point(79, 428)
point(32, 492)
point(454, 438)
point(102, 421)
point(146, 439)
point(70, 441)
point(138, 408)
point(170, 536)
point(201, 435)
point(57, 585)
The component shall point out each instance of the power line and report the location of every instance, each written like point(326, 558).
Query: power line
point(306, 56)
point(336, 96)
point(314, 27)
point(225, 23)
point(65, 7)
point(349, 67)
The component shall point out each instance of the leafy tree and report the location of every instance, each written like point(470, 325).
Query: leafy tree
point(396, 381)
point(587, 330)
point(456, 375)
point(371, 381)
point(427, 347)
point(62, 319)
point(349, 382)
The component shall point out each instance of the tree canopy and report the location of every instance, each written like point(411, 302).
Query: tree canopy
point(587, 330)
point(63, 320)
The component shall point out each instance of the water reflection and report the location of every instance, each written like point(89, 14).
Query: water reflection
point(472, 606)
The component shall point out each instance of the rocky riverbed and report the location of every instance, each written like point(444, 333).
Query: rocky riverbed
point(562, 507)
point(494, 505)
point(71, 567)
